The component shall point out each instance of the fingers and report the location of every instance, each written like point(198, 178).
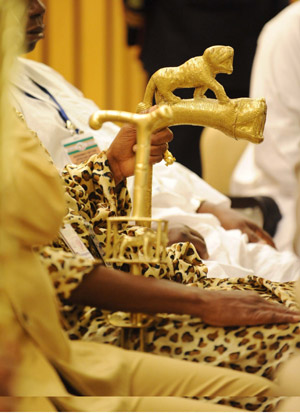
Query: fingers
point(199, 243)
point(157, 153)
point(183, 233)
point(262, 311)
point(257, 234)
point(242, 308)
point(159, 145)
point(158, 149)
point(200, 246)
point(273, 316)
point(252, 237)
point(249, 316)
point(155, 150)
point(264, 236)
point(161, 136)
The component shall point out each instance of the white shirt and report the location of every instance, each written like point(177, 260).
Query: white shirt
point(177, 191)
point(42, 114)
point(269, 168)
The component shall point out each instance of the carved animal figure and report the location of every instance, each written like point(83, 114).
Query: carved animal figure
point(146, 241)
point(198, 72)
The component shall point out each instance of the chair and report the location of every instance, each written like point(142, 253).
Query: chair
point(220, 155)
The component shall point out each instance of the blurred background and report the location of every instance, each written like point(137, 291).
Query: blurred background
point(86, 42)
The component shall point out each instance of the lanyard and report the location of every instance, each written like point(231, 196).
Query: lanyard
point(60, 109)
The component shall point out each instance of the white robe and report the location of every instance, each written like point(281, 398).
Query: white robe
point(177, 191)
point(269, 168)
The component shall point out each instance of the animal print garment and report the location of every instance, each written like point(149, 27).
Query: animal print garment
point(92, 197)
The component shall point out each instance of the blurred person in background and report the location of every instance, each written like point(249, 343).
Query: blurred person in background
point(272, 168)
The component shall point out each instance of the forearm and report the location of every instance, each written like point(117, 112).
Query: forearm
point(207, 207)
point(232, 219)
point(115, 290)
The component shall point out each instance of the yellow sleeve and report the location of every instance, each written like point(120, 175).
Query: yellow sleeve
point(65, 269)
point(36, 206)
point(91, 191)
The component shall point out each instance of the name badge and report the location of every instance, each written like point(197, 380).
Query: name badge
point(80, 148)
point(73, 241)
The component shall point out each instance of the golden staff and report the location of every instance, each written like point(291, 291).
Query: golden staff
point(242, 118)
point(145, 124)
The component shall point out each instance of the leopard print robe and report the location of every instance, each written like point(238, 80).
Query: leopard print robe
point(92, 197)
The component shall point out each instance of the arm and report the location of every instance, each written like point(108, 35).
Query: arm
point(114, 290)
point(231, 219)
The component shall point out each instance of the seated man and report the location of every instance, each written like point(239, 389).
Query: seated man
point(230, 253)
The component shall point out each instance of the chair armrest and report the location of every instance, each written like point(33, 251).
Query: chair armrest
point(268, 207)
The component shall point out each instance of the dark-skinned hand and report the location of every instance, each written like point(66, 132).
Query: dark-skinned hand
point(240, 308)
point(121, 153)
point(231, 219)
point(183, 233)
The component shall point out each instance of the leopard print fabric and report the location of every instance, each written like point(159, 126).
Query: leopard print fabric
point(92, 197)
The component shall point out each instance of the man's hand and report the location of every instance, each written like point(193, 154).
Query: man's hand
point(183, 233)
point(121, 153)
point(241, 308)
point(231, 219)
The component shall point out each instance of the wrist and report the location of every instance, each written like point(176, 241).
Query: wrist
point(207, 207)
point(114, 167)
point(195, 302)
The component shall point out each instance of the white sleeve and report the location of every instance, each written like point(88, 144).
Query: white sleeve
point(276, 76)
point(269, 167)
point(177, 186)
